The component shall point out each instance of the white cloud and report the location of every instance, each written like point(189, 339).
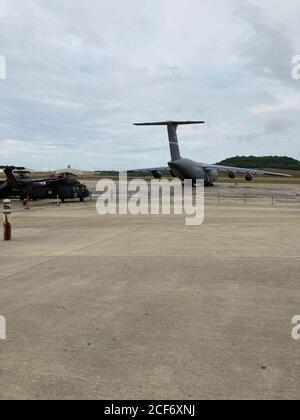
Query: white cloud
point(80, 72)
point(284, 98)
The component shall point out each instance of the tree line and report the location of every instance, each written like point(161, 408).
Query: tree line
point(262, 162)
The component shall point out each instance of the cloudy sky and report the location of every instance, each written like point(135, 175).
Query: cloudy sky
point(79, 72)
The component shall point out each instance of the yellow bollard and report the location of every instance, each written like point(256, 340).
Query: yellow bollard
point(7, 220)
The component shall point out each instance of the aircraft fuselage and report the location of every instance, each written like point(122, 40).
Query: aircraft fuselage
point(190, 169)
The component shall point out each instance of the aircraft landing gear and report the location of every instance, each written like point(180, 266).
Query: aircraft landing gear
point(208, 184)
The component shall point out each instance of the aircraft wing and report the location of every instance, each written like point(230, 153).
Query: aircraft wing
point(156, 172)
point(246, 171)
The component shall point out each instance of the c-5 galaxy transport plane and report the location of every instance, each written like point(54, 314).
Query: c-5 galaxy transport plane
point(189, 169)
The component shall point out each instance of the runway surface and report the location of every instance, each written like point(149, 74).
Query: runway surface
point(130, 307)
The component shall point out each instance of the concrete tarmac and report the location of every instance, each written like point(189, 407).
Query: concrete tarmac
point(122, 307)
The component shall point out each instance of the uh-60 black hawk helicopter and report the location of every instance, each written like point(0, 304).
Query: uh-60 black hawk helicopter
point(18, 184)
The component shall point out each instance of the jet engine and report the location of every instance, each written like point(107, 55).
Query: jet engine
point(231, 174)
point(249, 177)
point(156, 174)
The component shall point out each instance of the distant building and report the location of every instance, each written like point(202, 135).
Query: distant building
point(71, 170)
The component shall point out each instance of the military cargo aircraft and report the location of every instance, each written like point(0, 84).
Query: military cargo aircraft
point(19, 184)
point(192, 170)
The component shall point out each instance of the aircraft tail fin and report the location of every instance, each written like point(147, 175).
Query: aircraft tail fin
point(9, 172)
point(172, 133)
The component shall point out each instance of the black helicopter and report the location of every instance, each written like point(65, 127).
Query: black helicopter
point(18, 184)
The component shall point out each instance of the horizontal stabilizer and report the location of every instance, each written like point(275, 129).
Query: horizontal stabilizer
point(171, 123)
